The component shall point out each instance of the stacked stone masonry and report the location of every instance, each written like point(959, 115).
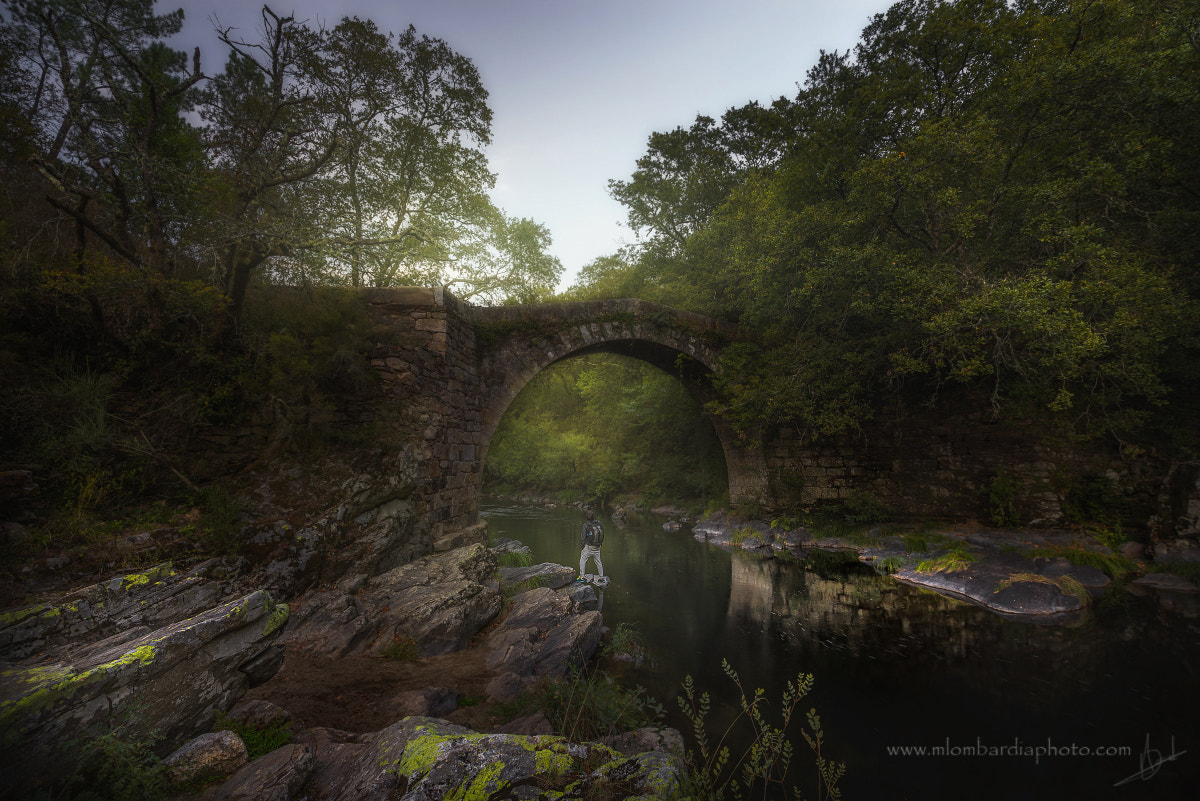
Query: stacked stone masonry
point(448, 372)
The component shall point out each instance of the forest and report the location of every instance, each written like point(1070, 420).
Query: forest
point(991, 197)
point(994, 202)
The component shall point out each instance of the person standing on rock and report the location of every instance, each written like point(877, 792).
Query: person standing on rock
point(590, 538)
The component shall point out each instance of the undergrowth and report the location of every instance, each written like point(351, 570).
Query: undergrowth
point(957, 558)
point(1066, 584)
point(715, 773)
point(590, 704)
point(1115, 566)
point(258, 739)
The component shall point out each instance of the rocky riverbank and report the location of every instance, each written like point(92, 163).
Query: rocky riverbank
point(375, 671)
point(1043, 576)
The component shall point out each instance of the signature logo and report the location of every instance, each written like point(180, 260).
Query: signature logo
point(1151, 761)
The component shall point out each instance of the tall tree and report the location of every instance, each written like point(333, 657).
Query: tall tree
point(107, 97)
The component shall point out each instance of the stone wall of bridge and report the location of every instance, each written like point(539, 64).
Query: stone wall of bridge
point(453, 369)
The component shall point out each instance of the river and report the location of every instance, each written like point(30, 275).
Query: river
point(1018, 710)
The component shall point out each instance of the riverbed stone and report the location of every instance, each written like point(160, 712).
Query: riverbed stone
point(211, 756)
point(277, 776)
point(171, 682)
point(1166, 581)
point(439, 602)
point(546, 574)
point(569, 645)
point(997, 583)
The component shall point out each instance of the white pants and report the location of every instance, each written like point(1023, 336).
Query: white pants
point(590, 552)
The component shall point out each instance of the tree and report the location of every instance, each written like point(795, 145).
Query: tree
point(992, 194)
point(509, 265)
point(107, 99)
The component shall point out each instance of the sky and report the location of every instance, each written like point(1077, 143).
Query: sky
point(576, 87)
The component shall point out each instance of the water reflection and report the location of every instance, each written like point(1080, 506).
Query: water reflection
point(896, 665)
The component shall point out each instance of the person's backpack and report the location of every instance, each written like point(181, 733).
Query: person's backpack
point(595, 533)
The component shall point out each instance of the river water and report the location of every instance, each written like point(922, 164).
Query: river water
point(1019, 711)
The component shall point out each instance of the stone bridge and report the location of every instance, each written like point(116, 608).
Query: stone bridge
point(455, 368)
point(452, 370)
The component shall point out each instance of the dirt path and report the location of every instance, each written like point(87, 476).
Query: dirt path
point(353, 693)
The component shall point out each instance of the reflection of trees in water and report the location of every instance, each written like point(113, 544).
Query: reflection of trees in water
point(891, 635)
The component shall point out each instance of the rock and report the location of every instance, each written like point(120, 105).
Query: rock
point(509, 686)
point(541, 608)
point(672, 525)
point(439, 602)
point(1166, 581)
point(547, 574)
point(645, 740)
point(1132, 550)
point(434, 702)
point(1093, 579)
point(984, 584)
point(277, 776)
point(583, 595)
point(210, 756)
point(514, 650)
point(435, 761)
point(170, 681)
point(111, 608)
point(534, 724)
point(1180, 549)
point(506, 545)
point(259, 713)
point(570, 644)
point(1178, 508)
point(545, 634)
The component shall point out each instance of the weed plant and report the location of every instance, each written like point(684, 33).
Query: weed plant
point(957, 558)
point(111, 768)
point(403, 649)
point(713, 771)
point(590, 704)
point(258, 739)
point(514, 559)
point(1115, 566)
point(626, 639)
point(1066, 584)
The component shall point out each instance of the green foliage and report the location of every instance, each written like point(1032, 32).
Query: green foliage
point(957, 558)
point(591, 704)
point(916, 542)
point(982, 194)
point(402, 649)
point(1114, 565)
point(1002, 494)
point(740, 535)
point(259, 740)
point(888, 564)
point(600, 426)
point(110, 768)
point(515, 559)
point(1093, 499)
point(1066, 584)
point(764, 765)
point(626, 639)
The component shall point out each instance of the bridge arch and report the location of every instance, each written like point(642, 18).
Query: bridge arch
point(515, 343)
point(456, 369)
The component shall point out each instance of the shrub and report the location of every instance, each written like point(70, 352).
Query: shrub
point(591, 704)
point(766, 761)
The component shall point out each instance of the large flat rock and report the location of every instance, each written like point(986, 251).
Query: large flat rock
point(169, 682)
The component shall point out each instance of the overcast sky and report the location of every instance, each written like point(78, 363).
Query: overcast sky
point(576, 87)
